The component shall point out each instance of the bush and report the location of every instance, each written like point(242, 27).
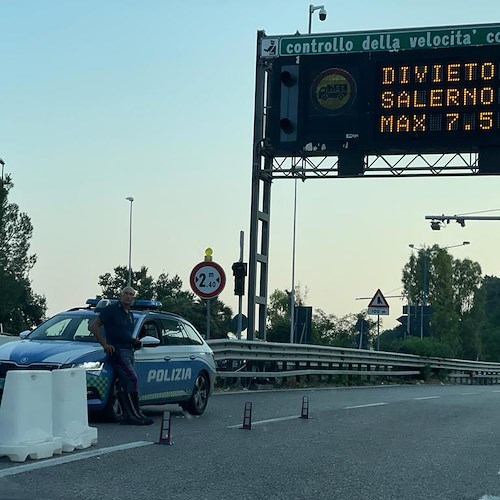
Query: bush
point(426, 347)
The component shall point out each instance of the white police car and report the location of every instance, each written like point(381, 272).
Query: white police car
point(175, 365)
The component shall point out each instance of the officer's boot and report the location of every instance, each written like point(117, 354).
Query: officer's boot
point(129, 415)
point(134, 396)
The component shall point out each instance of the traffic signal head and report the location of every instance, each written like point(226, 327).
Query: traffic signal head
point(289, 103)
point(239, 273)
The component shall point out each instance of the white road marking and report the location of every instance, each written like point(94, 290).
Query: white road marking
point(468, 393)
point(268, 421)
point(364, 406)
point(50, 462)
point(428, 397)
point(489, 497)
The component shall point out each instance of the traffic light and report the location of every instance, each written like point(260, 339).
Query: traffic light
point(239, 273)
point(416, 320)
point(289, 103)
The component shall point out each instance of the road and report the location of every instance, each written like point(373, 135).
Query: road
point(375, 443)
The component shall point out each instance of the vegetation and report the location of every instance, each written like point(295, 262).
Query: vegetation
point(20, 307)
point(326, 329)
point(459, 324)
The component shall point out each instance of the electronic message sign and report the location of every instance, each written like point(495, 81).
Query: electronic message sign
point(429, 90)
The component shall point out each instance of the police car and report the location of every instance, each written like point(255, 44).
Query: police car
point(174, 364)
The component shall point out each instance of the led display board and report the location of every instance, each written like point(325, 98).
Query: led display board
point(429, 90)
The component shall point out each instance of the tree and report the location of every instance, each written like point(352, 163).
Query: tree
point(20, 307)
point(451, 287)
point(278, 317)
point(279, 314)
point(112, 285)
point(486, 315)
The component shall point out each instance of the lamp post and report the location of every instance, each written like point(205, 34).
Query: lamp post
point(322, 14)
point(129, 282)
point(292, 293)
point(424, 282)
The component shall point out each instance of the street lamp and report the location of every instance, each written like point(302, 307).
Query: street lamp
point(424, 284)
point(129, 283)
point(322, 14)
point(322, 17)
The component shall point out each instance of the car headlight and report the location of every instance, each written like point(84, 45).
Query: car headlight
point(94, 366)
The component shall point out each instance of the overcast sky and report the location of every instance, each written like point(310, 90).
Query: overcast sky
point(106, 99)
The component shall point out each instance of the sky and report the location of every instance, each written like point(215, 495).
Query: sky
point(104, 100)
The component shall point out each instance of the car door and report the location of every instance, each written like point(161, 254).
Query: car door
point(164, 372)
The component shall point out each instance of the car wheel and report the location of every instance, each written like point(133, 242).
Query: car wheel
point(112, 411)
point(199, 398)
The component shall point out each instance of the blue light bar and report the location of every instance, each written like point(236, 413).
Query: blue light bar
point(140, 304)
point(147, 304)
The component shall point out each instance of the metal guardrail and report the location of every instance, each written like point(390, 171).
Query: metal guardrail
point(279, 360)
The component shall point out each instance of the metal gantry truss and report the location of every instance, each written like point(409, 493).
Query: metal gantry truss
point(405, 165)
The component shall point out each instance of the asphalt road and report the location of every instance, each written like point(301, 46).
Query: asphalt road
point(375, 443)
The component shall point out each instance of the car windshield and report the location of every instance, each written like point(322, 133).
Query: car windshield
point(65, 327)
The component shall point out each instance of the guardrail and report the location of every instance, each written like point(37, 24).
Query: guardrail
point(245, 359)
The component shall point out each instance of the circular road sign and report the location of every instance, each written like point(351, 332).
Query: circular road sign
point(234, 323)
point(207, 279)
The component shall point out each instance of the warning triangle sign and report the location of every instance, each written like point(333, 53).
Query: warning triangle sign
point(378, 300)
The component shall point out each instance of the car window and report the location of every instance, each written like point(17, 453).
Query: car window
point(82, 333)
point(172, 333)
point(57, 329)
point(193, 336)
point(64, 327)
point(149, 328)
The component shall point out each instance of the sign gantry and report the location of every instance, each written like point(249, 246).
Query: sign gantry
point(387, 103)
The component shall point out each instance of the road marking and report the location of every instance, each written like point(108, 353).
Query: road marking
point(427, 397)
point(50, 462)
point(268, 421)
point(364, 406)
point(468, 393)
point(489, 497)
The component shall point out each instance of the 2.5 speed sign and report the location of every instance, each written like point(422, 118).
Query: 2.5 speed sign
point(207, 280)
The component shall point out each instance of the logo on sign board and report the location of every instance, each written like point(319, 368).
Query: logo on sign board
point(333, 90)
point(269, 47)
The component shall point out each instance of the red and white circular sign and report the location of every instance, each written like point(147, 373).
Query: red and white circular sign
point(207, 279)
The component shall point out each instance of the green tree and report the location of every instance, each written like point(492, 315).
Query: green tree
point(112, 285)
point(451, 285)
point(20, 307)
point(331, 330)
point(278, 317)
point(278, 313)
point(487, 316)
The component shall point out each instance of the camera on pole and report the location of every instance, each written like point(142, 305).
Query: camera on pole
point(239, 273)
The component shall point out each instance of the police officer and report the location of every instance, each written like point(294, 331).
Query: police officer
point(119, 345)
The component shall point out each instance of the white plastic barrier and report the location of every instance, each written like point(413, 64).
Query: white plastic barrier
point(26, 427)
point(69, 410)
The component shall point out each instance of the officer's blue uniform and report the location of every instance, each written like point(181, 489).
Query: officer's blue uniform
point(119, 326)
